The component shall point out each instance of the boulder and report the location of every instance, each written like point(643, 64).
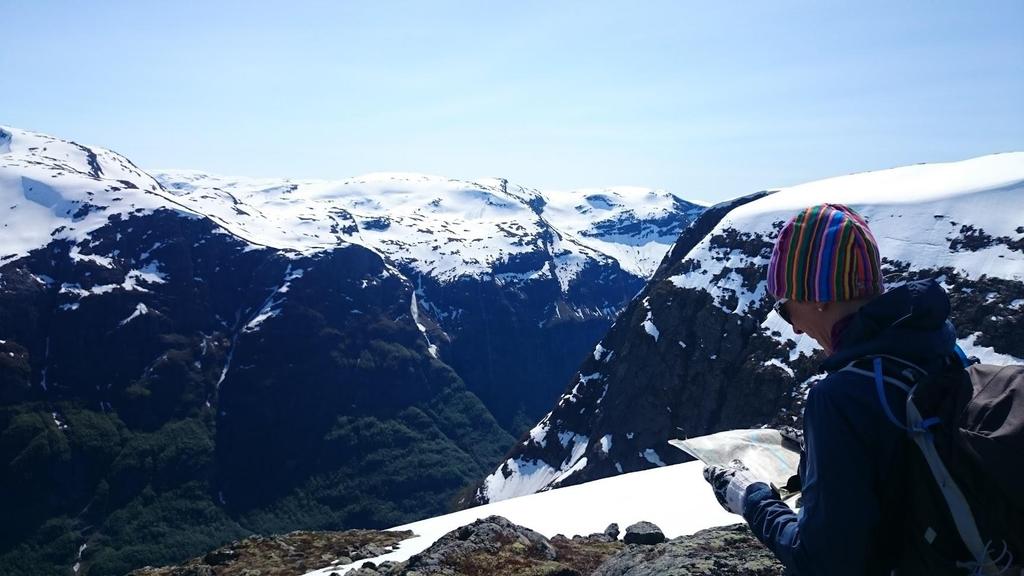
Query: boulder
point(644, 533)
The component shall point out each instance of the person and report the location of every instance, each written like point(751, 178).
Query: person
point(825, 275)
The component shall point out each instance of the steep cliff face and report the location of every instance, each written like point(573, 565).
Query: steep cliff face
point(699, 350)
point(258, 388)
point(513, 285)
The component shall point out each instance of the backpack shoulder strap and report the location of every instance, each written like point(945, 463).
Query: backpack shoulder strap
point(918, 430)
point(912, 373)
point(959, 508)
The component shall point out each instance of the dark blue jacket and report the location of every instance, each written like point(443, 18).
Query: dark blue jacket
point(852, 470)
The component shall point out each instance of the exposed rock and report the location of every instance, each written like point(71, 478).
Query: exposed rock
point(612, 530)
point(489, 542)
point(644, 533)
point(494, 546)
point(727, 551)
point(288, 555)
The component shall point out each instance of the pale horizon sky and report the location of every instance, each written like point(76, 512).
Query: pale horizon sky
point(706, 101)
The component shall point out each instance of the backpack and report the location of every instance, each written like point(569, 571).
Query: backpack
point(964, 494)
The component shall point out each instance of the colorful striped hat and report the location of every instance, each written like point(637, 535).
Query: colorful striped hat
point(825, 253)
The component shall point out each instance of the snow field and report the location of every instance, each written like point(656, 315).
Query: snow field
point(676, 498)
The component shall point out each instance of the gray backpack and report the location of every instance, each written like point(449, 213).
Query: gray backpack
point(965, 490)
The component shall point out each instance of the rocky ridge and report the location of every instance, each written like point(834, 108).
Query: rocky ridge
point(493, 546)
point(292, 553)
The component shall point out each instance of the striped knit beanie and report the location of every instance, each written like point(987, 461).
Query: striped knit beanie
point(825, 253)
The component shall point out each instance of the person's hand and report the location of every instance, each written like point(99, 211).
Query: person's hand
point(729, 484)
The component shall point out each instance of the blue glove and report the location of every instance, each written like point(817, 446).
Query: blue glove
point(730, 484)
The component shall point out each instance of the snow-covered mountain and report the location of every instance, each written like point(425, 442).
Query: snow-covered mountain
point(548, 270)
point(436, 226)
point(567, 261)
point(699, 350)
point(282, 354)
point(446, 228)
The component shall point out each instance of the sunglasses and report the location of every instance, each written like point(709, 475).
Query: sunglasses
point(780, 309)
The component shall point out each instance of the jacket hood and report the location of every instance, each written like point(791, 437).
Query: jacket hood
point(909, 322)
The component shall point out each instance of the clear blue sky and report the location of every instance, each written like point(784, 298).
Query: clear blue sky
point(701, 99)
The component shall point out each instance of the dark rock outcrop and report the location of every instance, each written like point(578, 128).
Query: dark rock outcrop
point(487, 545)
point(643, 533)
point(612, 531)
point(494, 546)
point(727, 551)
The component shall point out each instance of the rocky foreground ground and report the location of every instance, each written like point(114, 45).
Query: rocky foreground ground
point(494, 546)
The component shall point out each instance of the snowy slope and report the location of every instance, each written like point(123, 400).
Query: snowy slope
point(671, 362)
point(55, 189)
point(915, 213)
point(442, 227)
point(967, 217)
point(675, 498)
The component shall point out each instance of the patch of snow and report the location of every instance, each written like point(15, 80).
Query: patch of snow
point(149, 273)
point(73, 289)
point(651, 456)
point(564, 437)
point(576, 467)
point(985, 354)
point(779, 330)
point(272, 305)
point(526, 477)
point(650, 328)
point(584, 509)
point(149, 250)
point(140, 309)
point(648, 323)
point(414, 311)
point(778, 364)
point(61, 425)
point(539, 432)
point(529, 476)
point(606, 443)
point(76, 256)
point(78, 560)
